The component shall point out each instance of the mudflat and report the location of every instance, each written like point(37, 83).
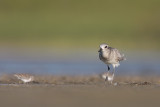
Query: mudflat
point(121, 94)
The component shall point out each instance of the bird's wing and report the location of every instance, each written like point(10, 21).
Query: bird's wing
point(120, 56)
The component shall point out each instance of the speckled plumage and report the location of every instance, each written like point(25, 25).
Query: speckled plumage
point(24, 77)
point(110, 56)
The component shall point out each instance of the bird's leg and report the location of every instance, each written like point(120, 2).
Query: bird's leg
point(113, 68)
point(113, 72)
point(106, 80)
point(108, 67)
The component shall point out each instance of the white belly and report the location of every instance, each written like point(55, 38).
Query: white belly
point(26, 80)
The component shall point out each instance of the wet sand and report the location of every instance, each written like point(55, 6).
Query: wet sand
point(22, 95)
point(132, 92)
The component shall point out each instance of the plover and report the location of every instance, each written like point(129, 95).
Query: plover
point(24, 77)
point(110, 56)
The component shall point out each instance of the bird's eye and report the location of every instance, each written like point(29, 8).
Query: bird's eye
point(106, 46)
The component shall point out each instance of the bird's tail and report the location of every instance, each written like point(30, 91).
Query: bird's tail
point(123, 58)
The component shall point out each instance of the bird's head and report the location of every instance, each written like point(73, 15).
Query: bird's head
point(103, 47)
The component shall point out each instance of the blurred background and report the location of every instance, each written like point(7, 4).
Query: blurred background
point(63, 36)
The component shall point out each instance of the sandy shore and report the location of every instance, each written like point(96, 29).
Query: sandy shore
point(21, 95)
point(89, 91)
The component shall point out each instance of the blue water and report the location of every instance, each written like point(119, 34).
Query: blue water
point(81, 65)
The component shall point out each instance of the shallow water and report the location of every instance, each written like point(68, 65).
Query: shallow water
point(136, 64)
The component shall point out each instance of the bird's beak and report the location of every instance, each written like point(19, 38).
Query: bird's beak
point(99, 50)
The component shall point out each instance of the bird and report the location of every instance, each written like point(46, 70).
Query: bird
point(110, 56)
point(26, 78)
point(107, 76)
